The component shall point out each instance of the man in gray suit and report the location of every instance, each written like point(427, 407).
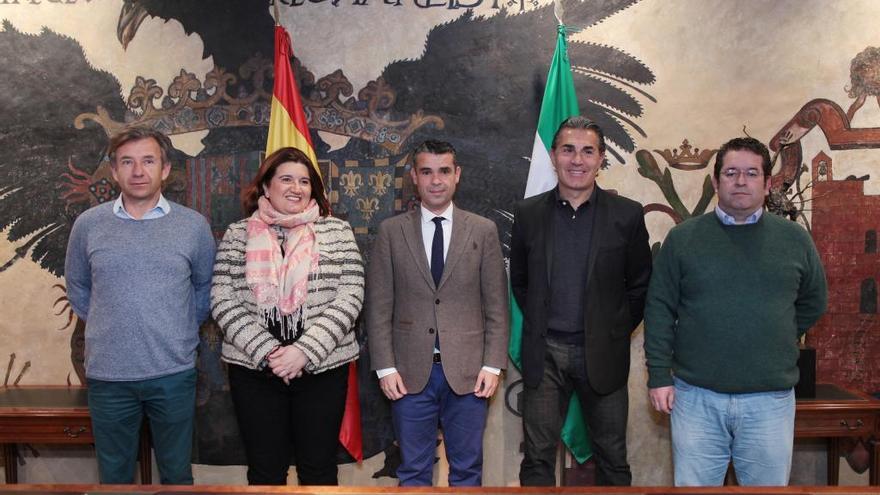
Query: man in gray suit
point(437, 321)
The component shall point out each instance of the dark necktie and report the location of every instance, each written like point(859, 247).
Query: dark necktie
point(437, 262)
point(437, 251)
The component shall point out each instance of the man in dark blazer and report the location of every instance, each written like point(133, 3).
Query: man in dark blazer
point(437, 322)
point(579, 268)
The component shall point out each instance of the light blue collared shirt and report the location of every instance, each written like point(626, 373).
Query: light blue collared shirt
point(729, 220)
point(160, 210)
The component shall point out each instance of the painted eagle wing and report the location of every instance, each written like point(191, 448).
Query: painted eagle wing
point(45, 83)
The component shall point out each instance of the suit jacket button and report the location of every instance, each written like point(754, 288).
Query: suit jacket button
point(437, 301)
point(430, 330)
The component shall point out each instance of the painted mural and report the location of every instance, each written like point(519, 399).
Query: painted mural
point(668, 80)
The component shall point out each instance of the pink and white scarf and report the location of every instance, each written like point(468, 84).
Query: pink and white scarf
point(280, 283)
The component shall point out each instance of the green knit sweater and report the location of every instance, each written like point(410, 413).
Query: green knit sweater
point(727, 303)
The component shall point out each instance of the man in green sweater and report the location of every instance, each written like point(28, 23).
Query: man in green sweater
point(731, 293)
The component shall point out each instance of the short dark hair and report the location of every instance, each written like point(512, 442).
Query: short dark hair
point(254, 190)
point(136, 134)
point(433, 147)
point(579, 122)
point(747, 144)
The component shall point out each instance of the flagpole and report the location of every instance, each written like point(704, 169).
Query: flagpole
point(558, 11)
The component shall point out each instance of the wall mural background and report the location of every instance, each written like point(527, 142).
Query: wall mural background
point(669, 81)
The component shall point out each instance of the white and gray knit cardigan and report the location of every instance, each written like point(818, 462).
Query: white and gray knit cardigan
point(335, 297)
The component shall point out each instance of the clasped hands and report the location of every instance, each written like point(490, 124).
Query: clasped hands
point(287, 362)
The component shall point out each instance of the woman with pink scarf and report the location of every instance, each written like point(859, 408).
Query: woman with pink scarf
point(288, 286)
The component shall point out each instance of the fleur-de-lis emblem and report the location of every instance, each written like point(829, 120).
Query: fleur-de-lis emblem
point(367, 207)
point(351, 182)
point(380, 181)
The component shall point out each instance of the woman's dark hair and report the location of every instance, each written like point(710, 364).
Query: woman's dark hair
point(270, 164)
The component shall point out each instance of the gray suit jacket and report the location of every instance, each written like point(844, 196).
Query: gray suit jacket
point(469, 309)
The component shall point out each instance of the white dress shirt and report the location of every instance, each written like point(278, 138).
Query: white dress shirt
point(428, 228)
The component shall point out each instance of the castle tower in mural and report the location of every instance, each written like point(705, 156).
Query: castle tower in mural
point(844, 226)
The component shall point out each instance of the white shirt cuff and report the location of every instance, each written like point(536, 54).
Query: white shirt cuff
point(494, 371)
point(385, 372)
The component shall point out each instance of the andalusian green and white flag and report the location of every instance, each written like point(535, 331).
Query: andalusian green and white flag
point(559, 103)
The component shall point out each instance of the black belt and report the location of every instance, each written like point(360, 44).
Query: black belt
point(436, 357)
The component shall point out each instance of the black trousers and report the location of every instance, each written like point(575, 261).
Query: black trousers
point(544, 410)
point(276, 419)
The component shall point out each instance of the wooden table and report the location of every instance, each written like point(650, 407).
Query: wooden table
point(60, 415)
point(50, 415)
point(394, 490)
point(837, 413)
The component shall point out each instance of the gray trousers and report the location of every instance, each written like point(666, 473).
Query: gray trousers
point(544, 410)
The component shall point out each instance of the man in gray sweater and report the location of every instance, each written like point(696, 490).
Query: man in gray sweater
point(138, 272)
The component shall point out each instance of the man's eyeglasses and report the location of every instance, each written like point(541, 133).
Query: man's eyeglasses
point(734, 173)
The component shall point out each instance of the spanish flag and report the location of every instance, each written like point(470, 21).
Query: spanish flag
point(287, 122)
point(350, 435)
point(288, 127)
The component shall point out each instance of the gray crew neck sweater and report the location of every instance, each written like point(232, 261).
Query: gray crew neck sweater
point(142, 286)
